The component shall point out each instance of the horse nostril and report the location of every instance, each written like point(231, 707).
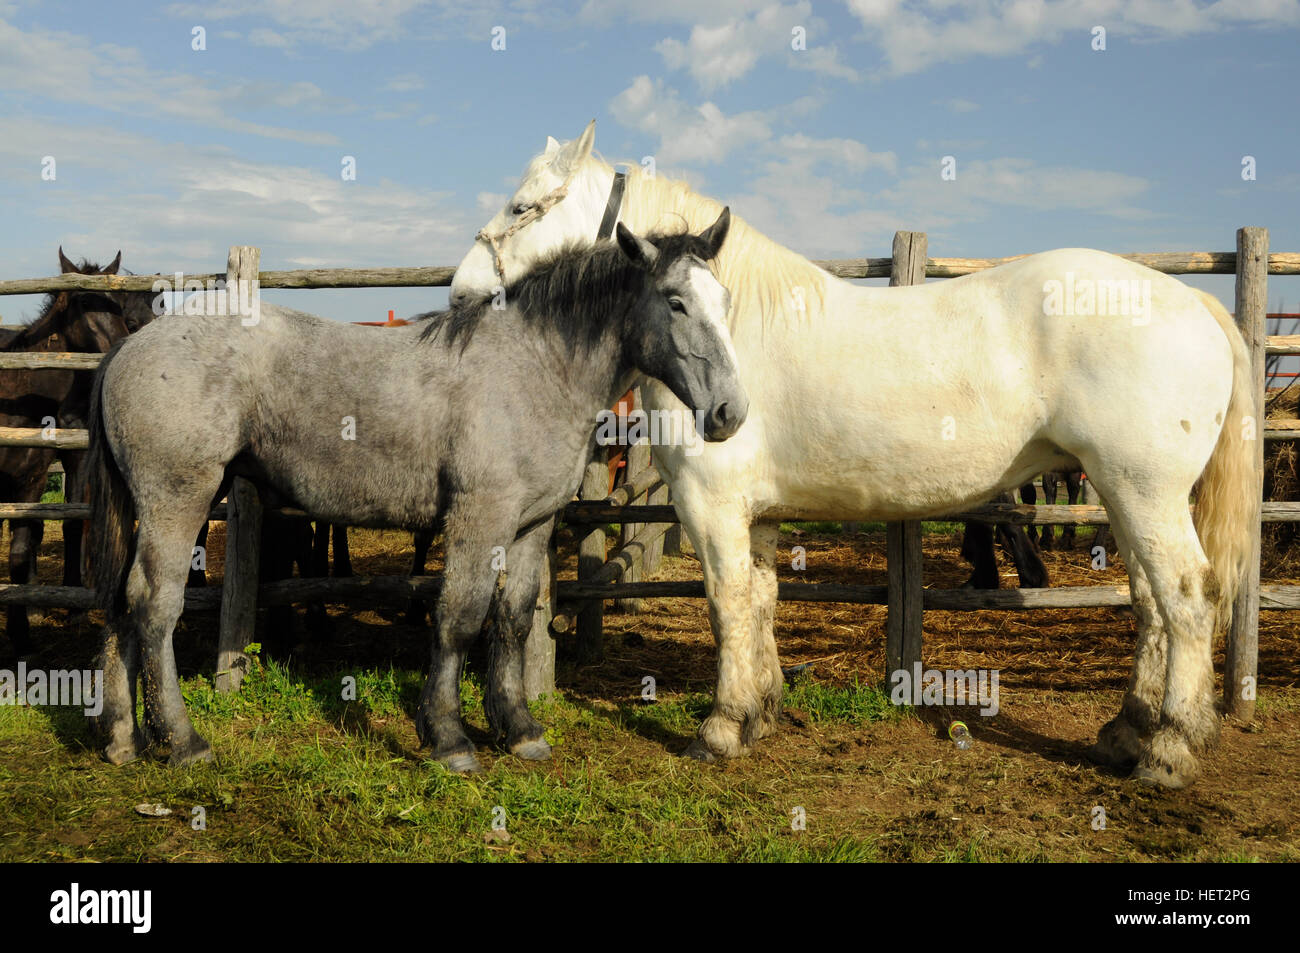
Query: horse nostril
point(722, 416)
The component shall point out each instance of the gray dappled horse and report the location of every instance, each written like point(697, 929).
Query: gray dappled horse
point(478, 421)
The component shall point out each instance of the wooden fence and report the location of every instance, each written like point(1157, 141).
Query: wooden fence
point(640, 505)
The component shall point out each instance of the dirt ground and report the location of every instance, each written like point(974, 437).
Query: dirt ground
point(1024, 788)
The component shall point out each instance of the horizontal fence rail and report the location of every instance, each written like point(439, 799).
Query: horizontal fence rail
point(1170, 263)
point(391, 588)
point(1021, 514)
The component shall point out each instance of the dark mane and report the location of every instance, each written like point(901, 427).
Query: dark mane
point(46, 323)
point(136, 308)
point(577, 289)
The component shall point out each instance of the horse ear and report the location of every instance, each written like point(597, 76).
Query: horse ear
point(112, 266)
point(637, 249)
point(551, 145)
point(576, 152)
point(67, 267)
point(716, 233)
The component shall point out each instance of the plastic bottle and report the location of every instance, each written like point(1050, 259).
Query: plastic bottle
point(960, 735)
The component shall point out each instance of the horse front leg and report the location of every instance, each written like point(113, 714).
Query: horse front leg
point(476, 536)
point(722, 537)
point(504, 702)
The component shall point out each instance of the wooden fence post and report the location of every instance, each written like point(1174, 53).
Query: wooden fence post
point(243, 526)
point(539, 649)
point(673, 534)
point(638, 458)
point(588, 647)
point(1242, 649)
point(903, 540)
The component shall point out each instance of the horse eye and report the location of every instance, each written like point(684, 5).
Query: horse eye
point(520, 209)
point(676, 305)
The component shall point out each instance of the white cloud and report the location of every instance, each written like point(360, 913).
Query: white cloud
point(959, 105)
point(847, 154)
point(913, 35)
point(717, 53)
point(175, 205)
point(339, 24)
point(700, 135)
point(68, 65)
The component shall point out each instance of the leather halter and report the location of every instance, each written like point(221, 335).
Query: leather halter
point(612, 206)
point(543, 205)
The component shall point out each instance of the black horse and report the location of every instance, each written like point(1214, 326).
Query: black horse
point(82, 321)
point(1024, 546)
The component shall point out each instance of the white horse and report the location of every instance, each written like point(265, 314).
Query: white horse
point(905, 403)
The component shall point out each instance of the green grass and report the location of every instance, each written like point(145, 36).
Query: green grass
point(853, 704)
point(305, 775)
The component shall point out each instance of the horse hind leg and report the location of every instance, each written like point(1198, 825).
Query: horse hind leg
point(115, 724)
point(1163, 541)
point(24, 543)
point(977, 549)
point(1073, 486)
point(1051, 485)
point(155, 594)
point(1122, 739)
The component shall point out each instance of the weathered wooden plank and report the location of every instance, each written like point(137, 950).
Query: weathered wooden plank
point(539, 648)
point(1283, 344)
point(644, 480)
point(395, 590)
point(49, 360)
point(903, 638)
point(590, 624)
point(1273, 512)
point(53, 439)
point(243, 537)
point(629, 556)
point(432, 277)
point(1173, 263)
point(1242, 649)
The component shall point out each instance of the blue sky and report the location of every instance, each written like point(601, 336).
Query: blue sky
point(173, 154)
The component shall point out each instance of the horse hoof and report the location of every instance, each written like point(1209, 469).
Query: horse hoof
point(1162, 777)
point(697, 750)
point(195, 752)
point(537, 750)
point(1105, 756)
point(462, 763)
point(119, 755)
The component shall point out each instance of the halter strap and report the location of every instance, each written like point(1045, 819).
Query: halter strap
point(544, 205)
point(612, 207)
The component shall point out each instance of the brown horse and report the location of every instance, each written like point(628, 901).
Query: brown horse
point(81, 321)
